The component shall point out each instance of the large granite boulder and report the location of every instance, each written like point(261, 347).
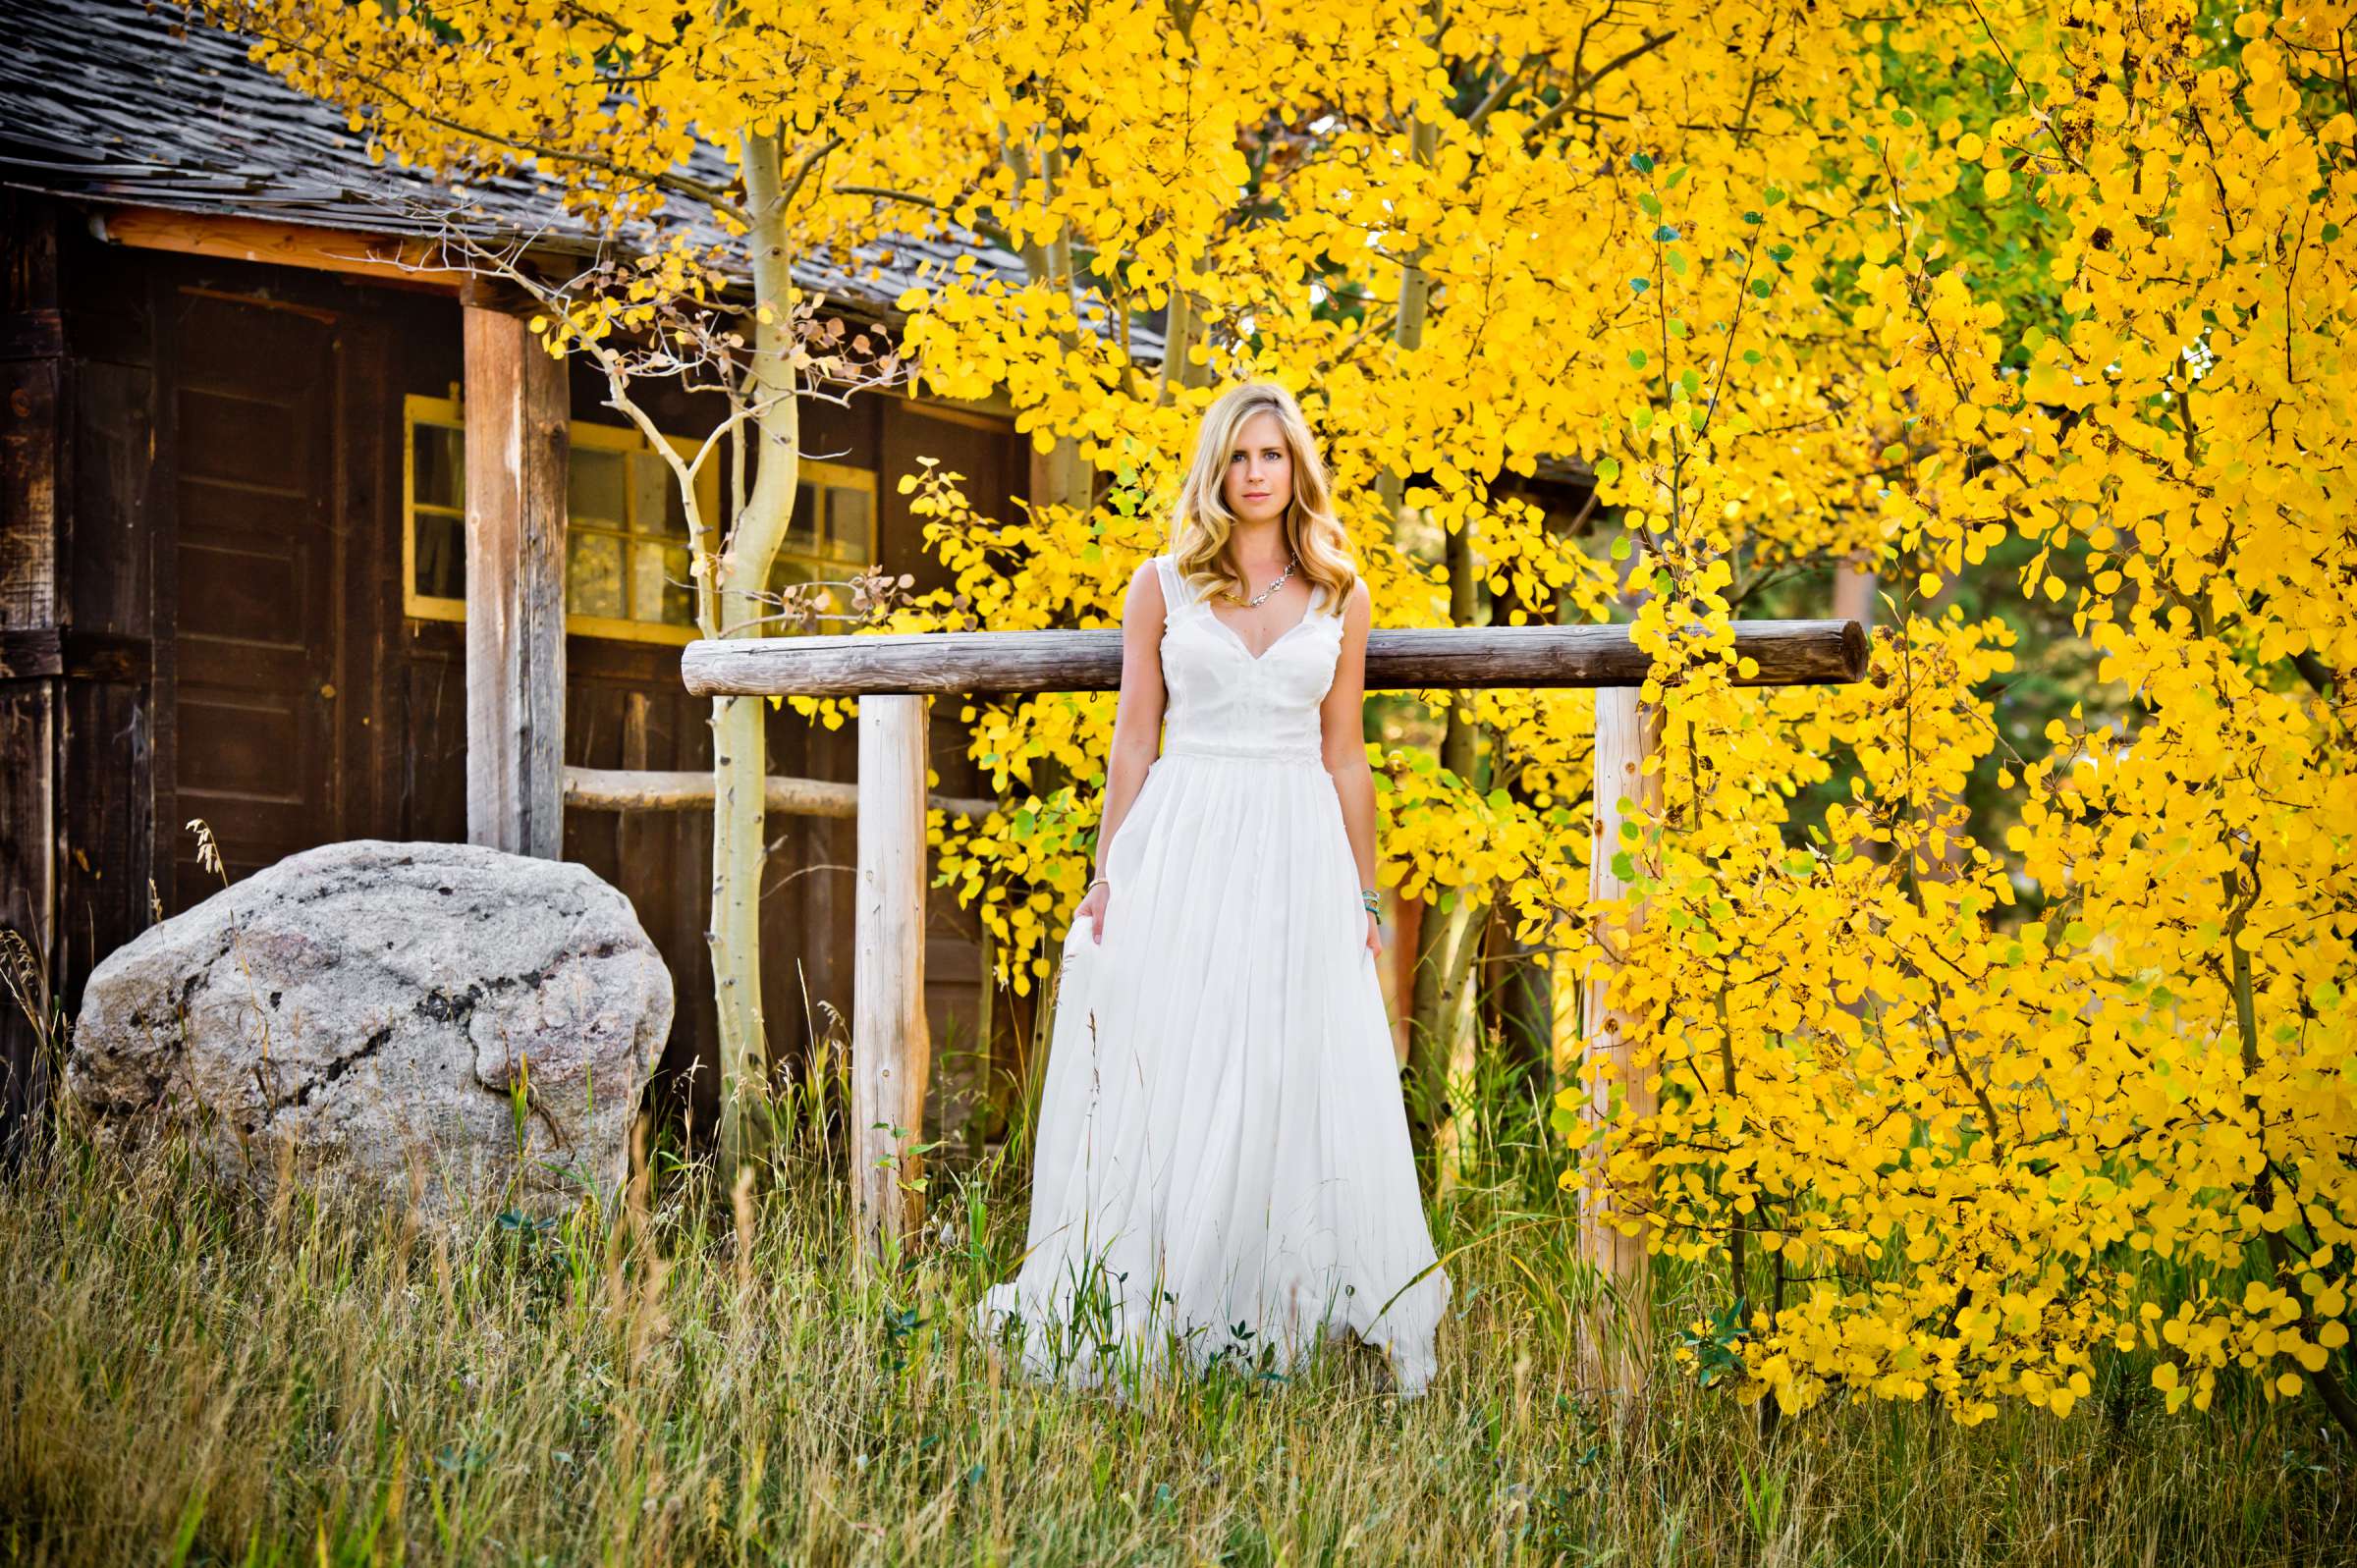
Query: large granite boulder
point(429, 1020)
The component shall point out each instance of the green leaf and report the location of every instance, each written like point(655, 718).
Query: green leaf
point(1620, 547)
point(1643, 162)
point(1762, 287)
point(1636, 359)
point(1640, 285)
point(1625, 866)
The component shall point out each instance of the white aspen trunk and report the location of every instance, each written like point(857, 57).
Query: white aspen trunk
point(1183, 330)
point(740, 758)
point(1441, 949)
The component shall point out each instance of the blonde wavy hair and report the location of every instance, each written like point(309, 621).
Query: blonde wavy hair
point(1201, 523)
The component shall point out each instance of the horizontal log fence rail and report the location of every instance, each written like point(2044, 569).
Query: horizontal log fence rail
point(892, 674)
point(1788, 653)
point(643, 790)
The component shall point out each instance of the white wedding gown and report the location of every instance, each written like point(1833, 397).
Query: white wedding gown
point(1222, 1160)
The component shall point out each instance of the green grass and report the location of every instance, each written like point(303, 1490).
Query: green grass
point(188, 1377)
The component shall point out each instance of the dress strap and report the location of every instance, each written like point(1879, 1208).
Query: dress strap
point(1173, 588)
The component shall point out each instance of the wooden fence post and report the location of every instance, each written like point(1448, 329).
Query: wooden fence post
point(891, 1050)
point(1616, 1338)
point(518, 428)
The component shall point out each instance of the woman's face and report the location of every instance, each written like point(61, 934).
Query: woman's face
point(1260, 472)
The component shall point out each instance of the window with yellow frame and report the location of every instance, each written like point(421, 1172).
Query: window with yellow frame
point(626, 533)
point(833, 534)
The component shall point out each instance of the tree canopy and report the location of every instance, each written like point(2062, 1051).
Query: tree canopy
point(1982, 1046)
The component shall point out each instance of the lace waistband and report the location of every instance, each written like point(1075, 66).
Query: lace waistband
point(1303, 750)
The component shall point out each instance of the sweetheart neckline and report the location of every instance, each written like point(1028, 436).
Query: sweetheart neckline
point(1238, 637)
point(1316, 594)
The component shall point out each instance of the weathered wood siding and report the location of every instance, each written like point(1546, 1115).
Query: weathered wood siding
point(203, 469)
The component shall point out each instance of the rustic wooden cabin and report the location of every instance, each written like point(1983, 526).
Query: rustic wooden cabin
point(234, 551)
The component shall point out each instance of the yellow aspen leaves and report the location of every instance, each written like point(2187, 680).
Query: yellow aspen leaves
point(1995, 1002)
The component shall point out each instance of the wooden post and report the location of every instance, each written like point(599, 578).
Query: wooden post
point(35, 480)
point(516, 413)
point(1616, 1338)
point(891, 1051)
point(1854, 582)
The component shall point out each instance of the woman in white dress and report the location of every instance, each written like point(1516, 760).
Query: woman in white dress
point(1222, 1164)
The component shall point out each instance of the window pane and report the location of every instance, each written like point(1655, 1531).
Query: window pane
point(593, 575)
point(849, 531)
point(785, 570)
point(438, 468)
point(593, 482)
point(802, 532)
point(660, 589)
point(782, 573)
point(658, 498)
point(441, 555)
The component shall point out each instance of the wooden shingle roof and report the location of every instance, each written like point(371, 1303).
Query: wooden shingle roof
point(115, 101)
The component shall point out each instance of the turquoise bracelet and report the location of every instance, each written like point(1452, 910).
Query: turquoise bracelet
point(1369, 897)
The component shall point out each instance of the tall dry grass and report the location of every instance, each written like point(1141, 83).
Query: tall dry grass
point(188, 1377)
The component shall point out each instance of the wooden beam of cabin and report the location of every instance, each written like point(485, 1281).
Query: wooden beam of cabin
point(517, 417)
point(389, 259)
point(74, 655)
point(638, 790)
point(1788, 653)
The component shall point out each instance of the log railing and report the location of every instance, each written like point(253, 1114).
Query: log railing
point(645, 789)
point(894, 672)
point(1788, 653)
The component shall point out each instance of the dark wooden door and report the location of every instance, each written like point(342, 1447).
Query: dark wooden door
point(254, 570)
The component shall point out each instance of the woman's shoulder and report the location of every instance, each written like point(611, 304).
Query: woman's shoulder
point(1151, 583)
point(1162, 570)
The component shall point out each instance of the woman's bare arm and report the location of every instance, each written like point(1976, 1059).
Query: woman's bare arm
point(1137, 711)
point(1342, 726)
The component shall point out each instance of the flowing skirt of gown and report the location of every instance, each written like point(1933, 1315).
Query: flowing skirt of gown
point(1223, 1160)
